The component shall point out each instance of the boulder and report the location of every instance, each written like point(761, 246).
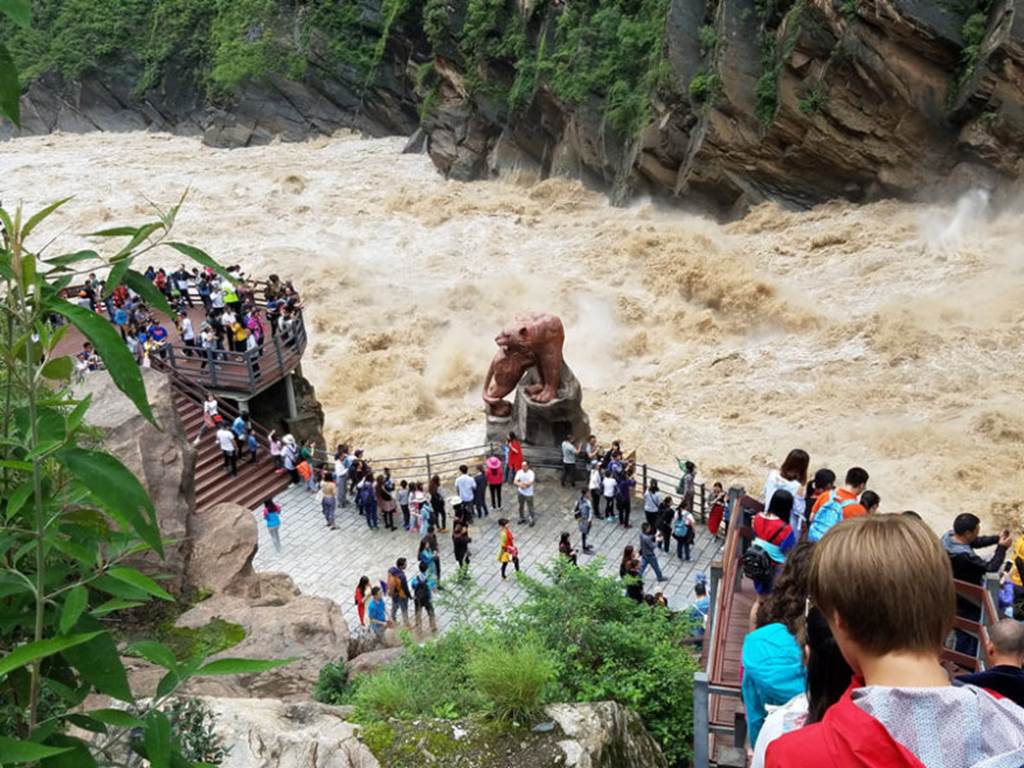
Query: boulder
point(266, 733)
point(276, 586)
point(371, 661)
point(161, 458)
point(223, 546)
point(311, 630)
point(604, 735)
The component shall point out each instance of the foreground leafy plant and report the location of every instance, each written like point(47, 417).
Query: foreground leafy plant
point(74, 518)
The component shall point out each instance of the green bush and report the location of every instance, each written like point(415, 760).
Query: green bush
point(814, 100)
point(574, 638)
point(607, 647)
point(512, 675)
point(704, 87)
point(430, 680)
point(332, 684)
point(708, 39)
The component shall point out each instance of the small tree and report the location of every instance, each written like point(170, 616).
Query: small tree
point(72, 515)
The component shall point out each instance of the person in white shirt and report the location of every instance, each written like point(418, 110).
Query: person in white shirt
point(226, 441)
point(187, 332)
point(609, 487)
point(465, 487)
point(210, 408)
point(342, 462)
point(217, 298)
point(594, 486)
point(570, 451)
point(524, 481)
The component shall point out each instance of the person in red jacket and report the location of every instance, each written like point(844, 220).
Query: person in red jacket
point(884, 585)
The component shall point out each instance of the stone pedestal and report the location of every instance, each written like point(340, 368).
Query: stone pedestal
point(543, 424)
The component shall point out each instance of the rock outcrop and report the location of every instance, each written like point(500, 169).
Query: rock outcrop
point(261, 733)
point(223, 546)
point(371, 661)
point(264, 733)
point(793, 100)
point(161, 458)
point(279, 624)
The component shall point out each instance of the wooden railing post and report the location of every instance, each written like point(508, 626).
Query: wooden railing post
point(644, 469)
point(713, 586)
point(701, 735)
point(703, 503)
point(429, 474)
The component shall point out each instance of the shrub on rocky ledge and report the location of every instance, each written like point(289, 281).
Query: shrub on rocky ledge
point(574, 638)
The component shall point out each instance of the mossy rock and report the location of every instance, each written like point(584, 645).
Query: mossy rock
point(467, 743)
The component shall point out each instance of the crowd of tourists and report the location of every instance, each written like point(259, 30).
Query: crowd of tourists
point(843, 664)
point(427, 508)
point(233, 320)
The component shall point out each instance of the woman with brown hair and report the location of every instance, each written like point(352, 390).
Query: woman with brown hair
point(792, 477)
point(385, 502)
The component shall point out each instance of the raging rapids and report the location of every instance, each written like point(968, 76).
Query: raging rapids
point(887, 335)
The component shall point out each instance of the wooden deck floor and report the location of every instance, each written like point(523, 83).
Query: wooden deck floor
point(725, 708)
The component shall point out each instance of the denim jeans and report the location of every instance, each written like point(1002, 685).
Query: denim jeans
point(400, 604)
point(651, 560)
point(371, 515)
point(682, 547)
point(343, 492)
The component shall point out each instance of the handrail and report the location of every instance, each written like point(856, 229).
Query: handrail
point(730, 559)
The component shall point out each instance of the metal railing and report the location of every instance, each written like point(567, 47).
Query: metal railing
point(446, 464)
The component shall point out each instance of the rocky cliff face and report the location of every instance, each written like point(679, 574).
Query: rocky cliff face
point(720, 102)
point(799, 101)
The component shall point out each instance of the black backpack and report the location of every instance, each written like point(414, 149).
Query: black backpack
point(757, 564)
point(421, 591)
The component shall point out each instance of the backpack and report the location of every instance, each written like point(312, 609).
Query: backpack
point(829, 515)
point(394, 585)
point(757, 564)
point(421, 590)
point(681, 528)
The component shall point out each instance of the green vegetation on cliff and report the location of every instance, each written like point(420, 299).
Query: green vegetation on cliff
point(574, 638)
point(607, 52)
point(611, 51)
point(218, 43)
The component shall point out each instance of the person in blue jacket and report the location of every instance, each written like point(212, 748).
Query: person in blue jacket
point(773, 661)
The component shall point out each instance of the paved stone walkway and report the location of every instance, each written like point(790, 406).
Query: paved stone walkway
point(330, 563)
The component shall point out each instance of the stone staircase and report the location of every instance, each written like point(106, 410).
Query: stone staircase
point(255, 481)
